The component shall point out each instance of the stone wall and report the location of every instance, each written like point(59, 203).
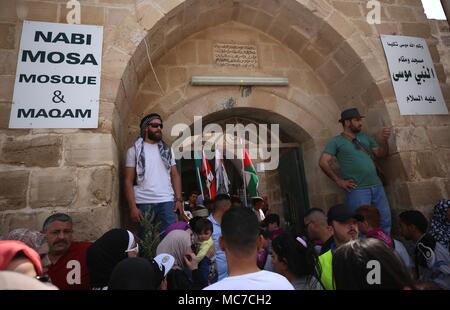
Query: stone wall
point(440, 30)
point(43, 171)
point(332, 56)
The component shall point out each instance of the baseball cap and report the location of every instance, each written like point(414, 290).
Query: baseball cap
point(165, 262)
point(340, 213)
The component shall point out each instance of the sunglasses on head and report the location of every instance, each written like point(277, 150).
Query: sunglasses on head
point(156, 125)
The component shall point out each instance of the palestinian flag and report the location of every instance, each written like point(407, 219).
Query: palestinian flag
point(251, 178)
point(207, 174)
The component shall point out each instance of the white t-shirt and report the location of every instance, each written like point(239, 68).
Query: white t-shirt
point(157, 186)
point(260, 215)
point(261, 280)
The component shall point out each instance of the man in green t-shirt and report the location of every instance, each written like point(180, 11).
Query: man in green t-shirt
point(355, 152)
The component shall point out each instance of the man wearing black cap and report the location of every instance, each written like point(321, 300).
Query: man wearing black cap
point(355, 152)
point(152, 181)
point(345, 228)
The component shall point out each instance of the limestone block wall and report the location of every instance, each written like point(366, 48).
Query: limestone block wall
point(418, 166)
point(43, 171)
point(440, 30)
point(332, 56)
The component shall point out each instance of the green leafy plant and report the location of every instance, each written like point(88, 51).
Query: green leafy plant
point(152, 236)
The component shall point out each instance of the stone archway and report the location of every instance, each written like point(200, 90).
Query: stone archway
point(328, 63)
point(329, 44)
point(288, 141)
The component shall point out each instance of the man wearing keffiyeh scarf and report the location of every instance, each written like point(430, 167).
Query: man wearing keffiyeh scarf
point(152, 181)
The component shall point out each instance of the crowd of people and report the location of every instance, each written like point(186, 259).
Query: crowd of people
point(222, 244)
point(230, 249)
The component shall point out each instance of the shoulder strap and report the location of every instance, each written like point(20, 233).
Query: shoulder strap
point(359, 144)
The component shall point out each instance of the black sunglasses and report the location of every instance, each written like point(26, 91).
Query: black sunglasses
point(156, 125)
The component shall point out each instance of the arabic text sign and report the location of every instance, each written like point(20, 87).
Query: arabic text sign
point(413, 75)
point(58, 76)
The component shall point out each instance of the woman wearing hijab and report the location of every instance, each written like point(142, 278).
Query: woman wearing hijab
point(35, 240)
point(32, 238)
point(137, 273)
point(178, 243)
point(105, 253)
point(440, 223)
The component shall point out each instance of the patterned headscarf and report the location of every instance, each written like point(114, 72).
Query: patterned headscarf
point(164, 149)
point(440, 226)
point(33, 238)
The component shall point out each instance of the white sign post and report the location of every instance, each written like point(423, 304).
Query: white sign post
point(413, 75)
point(58, 76)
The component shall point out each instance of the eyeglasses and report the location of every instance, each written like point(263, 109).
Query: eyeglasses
point(156, 125)
point(135, 249)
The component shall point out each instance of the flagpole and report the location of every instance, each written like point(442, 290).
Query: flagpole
point(243, 175)
point(206, 170)
point(200, 182)
point(217, 169)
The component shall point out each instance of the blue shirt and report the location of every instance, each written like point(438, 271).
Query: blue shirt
point(221, 259)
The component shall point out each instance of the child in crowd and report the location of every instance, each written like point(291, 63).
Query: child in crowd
point(272, 224)
point(203, 229)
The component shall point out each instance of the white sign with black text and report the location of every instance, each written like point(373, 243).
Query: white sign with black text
point(58, 76)
point(413, 75)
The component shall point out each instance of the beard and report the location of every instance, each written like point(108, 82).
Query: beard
point(355, 129)
point(154, 136)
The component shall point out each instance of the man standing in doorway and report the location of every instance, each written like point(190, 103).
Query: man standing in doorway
point(355, 152)
point(151, 176)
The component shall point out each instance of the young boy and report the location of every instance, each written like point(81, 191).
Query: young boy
point(203, 230)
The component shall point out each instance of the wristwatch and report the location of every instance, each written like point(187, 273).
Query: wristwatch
point(179, 199)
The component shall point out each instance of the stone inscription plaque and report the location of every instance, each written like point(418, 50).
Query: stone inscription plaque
point(235, 55)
